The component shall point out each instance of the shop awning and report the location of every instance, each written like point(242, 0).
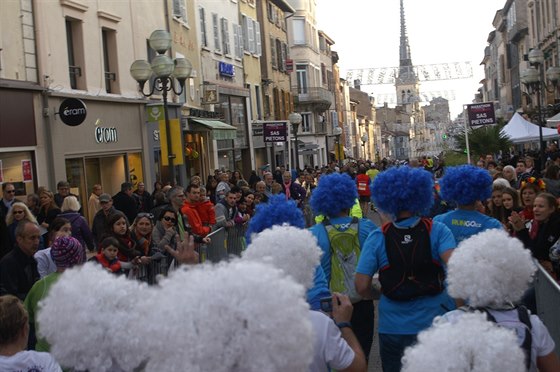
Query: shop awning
point(219, 129)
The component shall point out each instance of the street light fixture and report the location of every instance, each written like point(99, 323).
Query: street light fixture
point(534, 80)
point(295, 120)
point(364, 139)
point(337, 132)
point(165, 70)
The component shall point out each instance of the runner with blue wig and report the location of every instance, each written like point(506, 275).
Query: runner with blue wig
point(341, 237)
point(403, 189)
point(466, 185)
point(404, 194)
point(279, 211)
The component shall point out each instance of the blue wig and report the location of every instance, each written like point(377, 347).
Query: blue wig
point(334, 193)
point(277, 211)
point(466, 184)
point(403, 189)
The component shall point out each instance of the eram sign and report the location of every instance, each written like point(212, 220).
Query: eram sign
point(481, 114)
point(275, 131)
point(72, 111)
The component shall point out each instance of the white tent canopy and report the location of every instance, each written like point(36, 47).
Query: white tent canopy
point(520, 130)
point(553, 121)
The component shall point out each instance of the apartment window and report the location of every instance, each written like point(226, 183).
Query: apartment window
point(301, 73)
point(299, 31)
point(225, 36)
point(203, 36)
point(109, 40)
point(179, 10)
point(75, 48)
point(251, 34)
point(306, 122)
point(217, 46)
point(271, 10)
point(258, 102)
point(281, 62)
point(273, 52)
point(324, 74)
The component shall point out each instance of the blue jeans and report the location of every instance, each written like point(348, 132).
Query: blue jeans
point(391, 350)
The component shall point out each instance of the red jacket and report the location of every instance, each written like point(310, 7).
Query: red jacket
point(193, 219)
point(206, 212)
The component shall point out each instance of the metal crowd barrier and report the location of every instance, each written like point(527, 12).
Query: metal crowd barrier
point(224, 242)
point(547, 292)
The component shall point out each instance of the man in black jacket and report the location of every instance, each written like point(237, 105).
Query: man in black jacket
point(18, 269)
point(99, 226)
point(125, 202)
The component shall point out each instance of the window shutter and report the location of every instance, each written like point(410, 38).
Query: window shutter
point(203, 39)
point(177, 8)
point(258, 38)
point(245, 29)
point(251, 34)
point(236, 40)
point(216, 32)
point(225, 36)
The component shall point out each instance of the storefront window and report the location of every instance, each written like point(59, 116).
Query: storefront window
point(18, 167)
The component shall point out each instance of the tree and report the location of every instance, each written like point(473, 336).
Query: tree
point(485, 140)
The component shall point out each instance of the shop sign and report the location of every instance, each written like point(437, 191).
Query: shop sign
point(481, 114)
point(155, 113)
point(26, 171)
point(106, 135)
point(275, 131)
point(72, 111)
point(204, 114)
point(226, 69)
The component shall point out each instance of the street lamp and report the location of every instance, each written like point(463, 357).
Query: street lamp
point(165, 71)
point(364, 141)
point(295, 120)
point(337, 132)
point(534, 80)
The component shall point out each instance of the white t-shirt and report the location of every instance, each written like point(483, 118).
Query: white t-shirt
point(541, 342)
point(330, 350)
point(27, 361)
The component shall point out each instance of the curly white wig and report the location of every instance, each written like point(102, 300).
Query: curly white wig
point(490, 269)
point(472, 344)
point(247, 313)
point(288, 248)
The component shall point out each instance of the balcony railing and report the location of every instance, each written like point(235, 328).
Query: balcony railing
point(313, 96)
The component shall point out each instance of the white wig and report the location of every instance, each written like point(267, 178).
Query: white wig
point(490, 269)
point(288, 248)
point(472, 344)
point(231, 317)
point(238, 316)
point(85, 319)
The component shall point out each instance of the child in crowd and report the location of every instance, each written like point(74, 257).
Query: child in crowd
point(108, 256)
point(242, 215)
point(511, 203)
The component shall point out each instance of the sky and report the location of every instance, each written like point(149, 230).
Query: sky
point(367, 32)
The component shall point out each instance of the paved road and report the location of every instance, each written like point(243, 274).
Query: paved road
point(374, 360)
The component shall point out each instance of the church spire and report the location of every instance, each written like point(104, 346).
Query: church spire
point(406, 73)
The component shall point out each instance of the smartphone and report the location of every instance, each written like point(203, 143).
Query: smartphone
point(326, 304)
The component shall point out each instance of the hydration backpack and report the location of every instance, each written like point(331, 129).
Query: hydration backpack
point(412, 271)
point(345, 253)
point(524, 317)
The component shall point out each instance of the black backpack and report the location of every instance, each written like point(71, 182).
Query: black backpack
point(524, 317)
point(412, 272)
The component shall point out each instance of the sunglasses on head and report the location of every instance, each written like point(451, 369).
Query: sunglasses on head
point(148, 215)
point(170, 219)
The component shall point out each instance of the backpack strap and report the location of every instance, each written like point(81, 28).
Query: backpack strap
point(527, 344)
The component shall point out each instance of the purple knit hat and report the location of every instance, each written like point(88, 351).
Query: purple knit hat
point(67, 251)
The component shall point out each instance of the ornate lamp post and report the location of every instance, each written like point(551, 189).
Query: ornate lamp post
point(295, 121)
point(166, 71)
point(337, 132)
point(534, 80)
